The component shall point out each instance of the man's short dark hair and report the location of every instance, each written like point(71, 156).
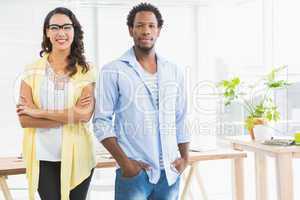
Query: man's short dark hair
point(144, 7)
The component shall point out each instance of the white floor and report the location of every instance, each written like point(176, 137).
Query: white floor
point(215, 175)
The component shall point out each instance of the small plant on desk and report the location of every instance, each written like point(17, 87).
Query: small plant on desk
point(259, 112)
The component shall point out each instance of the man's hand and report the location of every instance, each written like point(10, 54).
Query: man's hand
point(129, 168)
point(133, 168)
point(180, 164)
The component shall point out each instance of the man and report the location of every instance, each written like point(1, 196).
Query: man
point(140, 114)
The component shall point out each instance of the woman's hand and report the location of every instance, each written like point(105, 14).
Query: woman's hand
point(84, 101)
point(23, 109)
point(23, 101)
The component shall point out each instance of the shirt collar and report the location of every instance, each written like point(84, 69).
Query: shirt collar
point(129, 57)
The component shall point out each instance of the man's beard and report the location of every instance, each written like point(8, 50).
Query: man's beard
point(145, 49)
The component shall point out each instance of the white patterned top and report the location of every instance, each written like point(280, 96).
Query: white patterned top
point(53, 96)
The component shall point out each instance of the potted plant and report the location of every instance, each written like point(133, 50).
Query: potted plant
point(260, 111)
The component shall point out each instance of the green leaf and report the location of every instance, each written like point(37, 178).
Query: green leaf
point(269, 116)
point(249, 123)
point(276, 116)
point(277, 84)
point(236, 81)
point(271, 75)
point(230, 89)
point(223, 83)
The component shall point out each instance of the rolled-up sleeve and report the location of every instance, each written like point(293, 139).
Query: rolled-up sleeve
point(182, 132)
point(106, 100)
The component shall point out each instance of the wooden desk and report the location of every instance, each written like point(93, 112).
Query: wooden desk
point(284, 168)
point(237, 158)
point(14, 166)
point(9, 166)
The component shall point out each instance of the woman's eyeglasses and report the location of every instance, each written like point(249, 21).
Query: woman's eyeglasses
point(64, 27)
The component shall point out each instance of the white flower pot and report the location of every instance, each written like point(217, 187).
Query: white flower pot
point(263, 132)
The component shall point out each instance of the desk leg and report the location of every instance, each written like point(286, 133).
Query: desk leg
point(200, 183)
point(284, 169)
point(5, 189)
point(261, 176)
point(238, 179)
point(193, 172)
point(187, 182)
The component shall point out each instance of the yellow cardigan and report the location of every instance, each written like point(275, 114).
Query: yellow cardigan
point(77, 156)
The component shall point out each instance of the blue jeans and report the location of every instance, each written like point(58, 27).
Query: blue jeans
point(139, 187)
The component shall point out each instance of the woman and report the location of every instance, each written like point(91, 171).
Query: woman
point(56, 102)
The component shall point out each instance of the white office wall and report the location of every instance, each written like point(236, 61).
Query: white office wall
point(19, 41)
point(286, 34)
point(286, 48)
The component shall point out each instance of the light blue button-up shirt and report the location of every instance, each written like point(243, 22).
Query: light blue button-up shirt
point(126, 109)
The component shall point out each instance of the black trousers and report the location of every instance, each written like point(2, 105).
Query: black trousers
point(49, 183)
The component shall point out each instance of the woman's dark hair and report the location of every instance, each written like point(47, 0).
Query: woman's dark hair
point(77, 49)
point(144, 7)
